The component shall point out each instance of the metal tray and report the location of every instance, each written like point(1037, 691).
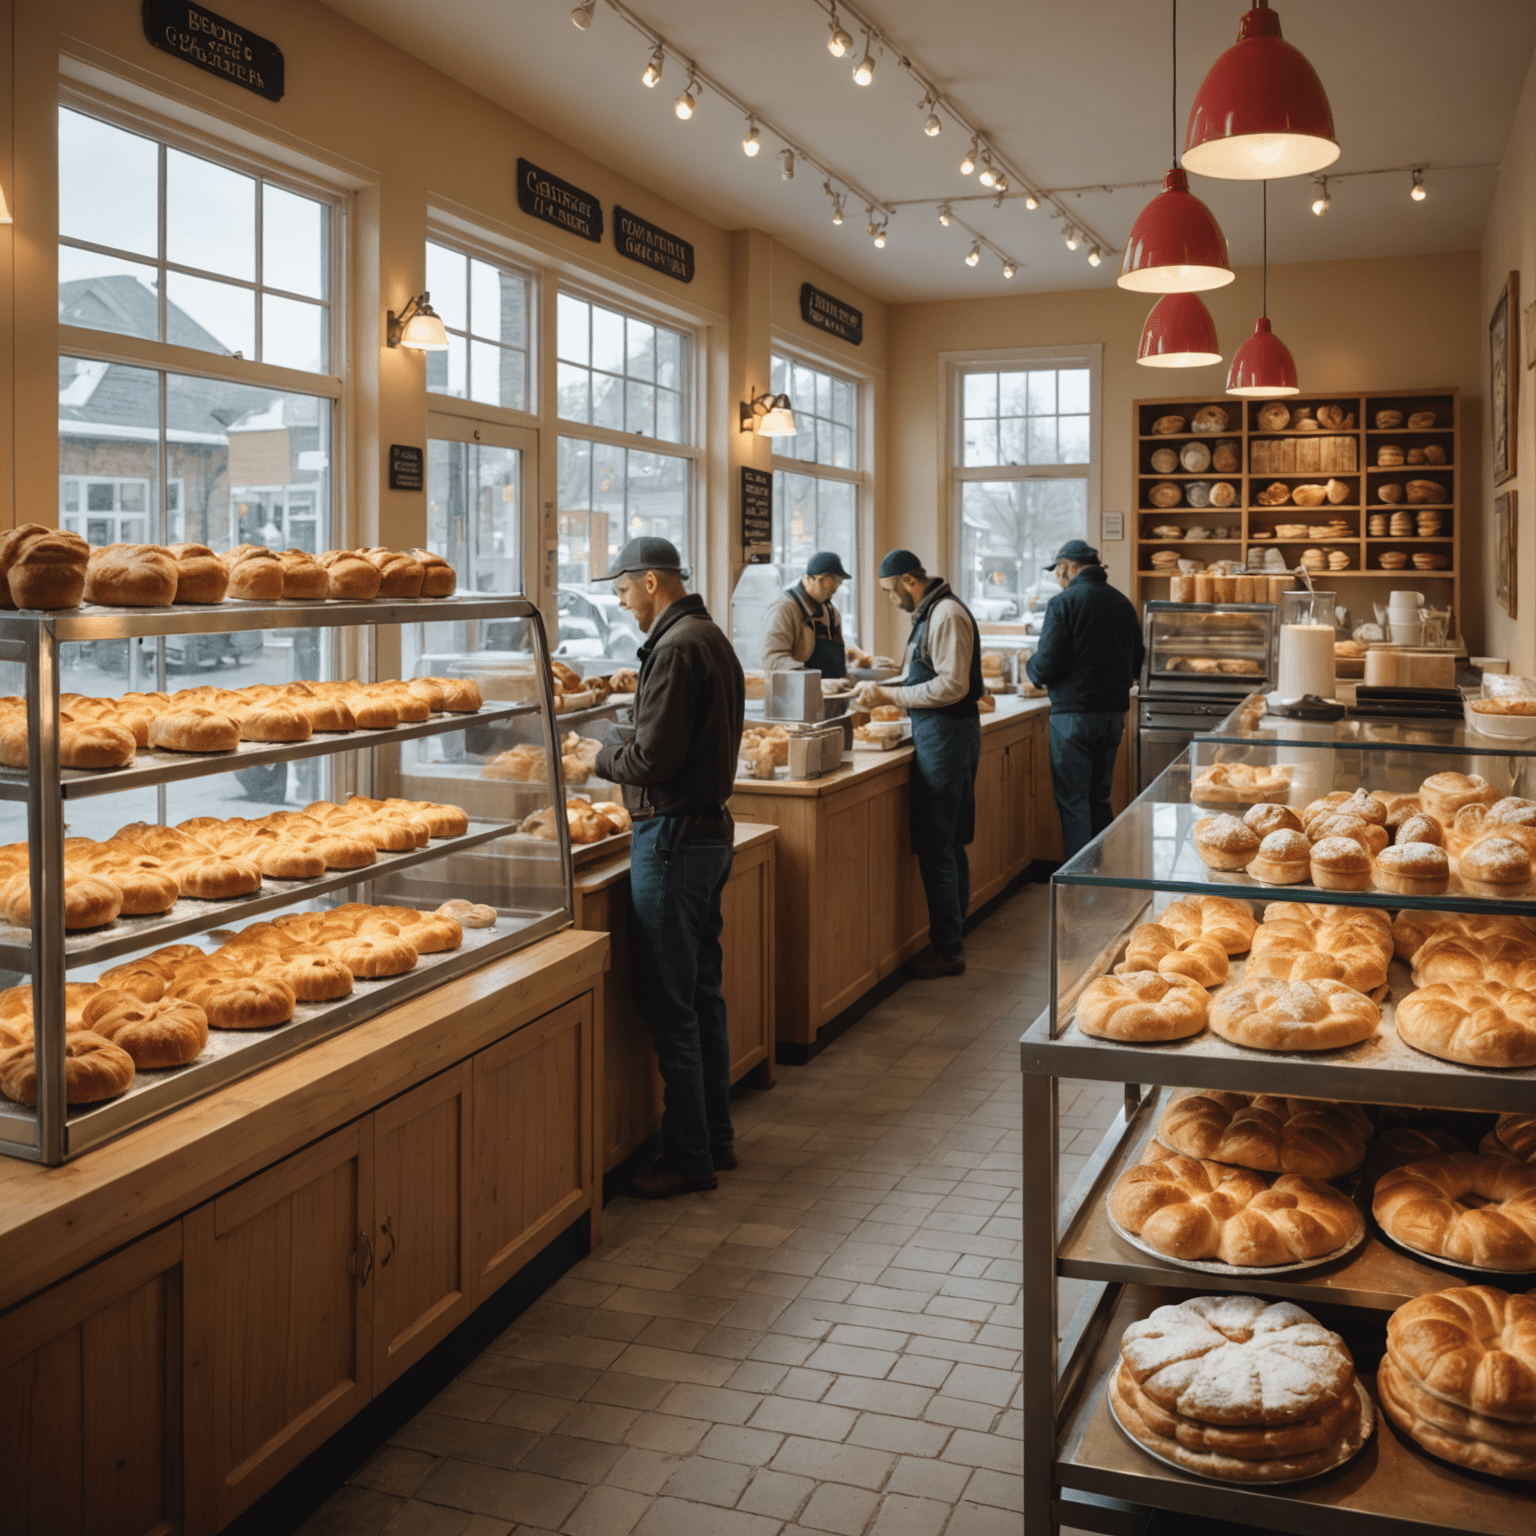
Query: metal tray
point(1507, 1279)
point(1237, 1271)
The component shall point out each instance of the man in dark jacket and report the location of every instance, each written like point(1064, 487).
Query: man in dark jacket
point(677, 767)
point(1089, 654)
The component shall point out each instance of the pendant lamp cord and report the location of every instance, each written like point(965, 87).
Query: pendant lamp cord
point(1175, 113)
point(1265, 186)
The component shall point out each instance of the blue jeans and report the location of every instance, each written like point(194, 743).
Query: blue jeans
point(675, 971)
point(945, 757)
point(1083, 751)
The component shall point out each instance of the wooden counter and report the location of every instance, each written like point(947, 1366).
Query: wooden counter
point(631, 1105)
point(265, 1261)
point(850, 903)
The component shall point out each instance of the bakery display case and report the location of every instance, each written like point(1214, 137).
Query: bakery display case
point(201, 878)
point(1329, 1110)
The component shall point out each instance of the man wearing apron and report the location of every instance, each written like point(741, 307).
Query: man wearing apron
point(802, 628)
point(939, 692)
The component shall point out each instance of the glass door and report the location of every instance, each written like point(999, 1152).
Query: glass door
point(480, 483)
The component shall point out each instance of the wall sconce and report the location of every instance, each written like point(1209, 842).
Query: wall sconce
point(5, 207)
point(418, 326)
point(778, 416)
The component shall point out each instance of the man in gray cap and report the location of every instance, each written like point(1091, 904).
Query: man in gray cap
point(678, 766)
point(939, 691)
point(1090, 653)
point(802, 628)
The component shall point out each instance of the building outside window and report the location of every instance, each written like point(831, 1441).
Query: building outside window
point(485, 307)
point(1025, 479)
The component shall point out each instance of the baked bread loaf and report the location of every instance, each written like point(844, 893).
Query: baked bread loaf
point(1296, 948)
point(1274, 1135)
point(168, 1032)
point(1341, 824)
point(42, 568)
point(304, 578)
point(192, 729)
point(131, 576)
point(1470, 1207)
point(352, 578)
point(1514, 1136)
point(1495, 866)
point(1166, 493)
point(1240, 784)
point(1412, 869)
point(1419, 828)
point(1340, 864)
point(1155, 948)
point(1315, 1015)
point(1480, 1442)
point(1224, 842)
point(1168, 425)
point(200, 575)
point(1209, 418)
point(16, 1006)
point(439, 579)
point(1468, 951)
point(91, 744)
point(1142, 1005)
point(90, 901)
point(1220, 919)
point(255, 573)
point(231, 1000)
point(1283, 858)
point(1267, 818)
point(400, 575)
point(1480, 1024)
point(1443, 794)
point(94, 1069)
point(1197, 1211)
point(468, 914)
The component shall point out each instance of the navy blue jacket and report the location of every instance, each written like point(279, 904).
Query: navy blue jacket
point(1090, 648)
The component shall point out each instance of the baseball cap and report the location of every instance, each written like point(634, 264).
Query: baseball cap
point(900, 562)
point(1074, 549)
point(647, 553)
point(825, 563)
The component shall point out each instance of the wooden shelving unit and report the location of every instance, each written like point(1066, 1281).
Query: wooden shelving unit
point(1363, 582)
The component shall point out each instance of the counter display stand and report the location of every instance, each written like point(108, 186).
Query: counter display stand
point(530, 887)
point(1080, 1469)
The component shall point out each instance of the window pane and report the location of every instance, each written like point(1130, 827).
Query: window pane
point(107, 294)
point(293, 254)
point(669, 416)
point(607, 340)
point(293, 334)
point(108, 185)
point(640, 408)
point(1073, 383)
point(1042, 393)
point(1040, 448)
point(981, 442)
point(641, 350)
point(1010, 441)
point(210, 216)
point(1012, 394)
point(571, 385)
point(669, 359)
point(1073, 439)
point(980, 394)
point(842, 449)
point(484, 301)
point(825, 407)
point(446, 283)
point(455, 365)
point(573, 320)
point(109, 452)
point(211, 316)
point(607, 402)
point(496, 375)
point(1011, 528)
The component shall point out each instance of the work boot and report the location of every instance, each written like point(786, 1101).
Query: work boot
point(661, 1181)
point(723, 1157)
point(930, 964)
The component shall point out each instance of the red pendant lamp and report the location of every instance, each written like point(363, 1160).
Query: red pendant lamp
point(1179, 333)
point(1261, 113)
point(1175, 245)
point(1263, 366)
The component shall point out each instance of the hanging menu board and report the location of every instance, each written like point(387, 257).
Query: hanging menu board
point(212, 42)
point(831, 315)
point(651, 245)
point(543, 195)
point(756, 516)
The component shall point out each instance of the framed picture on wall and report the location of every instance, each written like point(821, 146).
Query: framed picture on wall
point(1506, 527)
point(1504, 378)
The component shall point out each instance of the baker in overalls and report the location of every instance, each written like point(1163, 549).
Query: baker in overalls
point(802, 628)
point(939, 690)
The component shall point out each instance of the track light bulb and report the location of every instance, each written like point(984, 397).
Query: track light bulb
point(1031, 201)
point(864, 70)
point(880, 237)
point(946, 216)
point(1071, 239)
point(1417, 192)
point(787, 161)
point(1010, 268)
point(973, 255)
point(931, 124)
point(581, 17)
point(838, 41)
point(1095, 256)
point(685, 103)
point(752, 142)
point(652, 75)
point(987, 176)
point(969, 163)
point(837, 210)
point(1320, 198)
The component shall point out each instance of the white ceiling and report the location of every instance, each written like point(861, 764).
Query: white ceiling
point(1072, 94)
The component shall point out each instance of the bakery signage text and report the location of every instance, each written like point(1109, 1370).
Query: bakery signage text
point(831, 315)
point(406, 463)
point(756, 515)
point(213, 42)
point(546, 196)
point(642, 241)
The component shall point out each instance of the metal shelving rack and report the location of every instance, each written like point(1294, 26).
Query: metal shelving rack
point(1079, 1468)
point(54, 1131)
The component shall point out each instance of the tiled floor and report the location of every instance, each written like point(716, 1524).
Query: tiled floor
point(828, 1343)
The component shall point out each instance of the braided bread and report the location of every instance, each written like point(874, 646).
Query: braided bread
point(94, 1069)
point(1426, 1206)
point(1218, 919)
point(167, 1032)
point(1481, 1024)
point(1473, 1347)
point(1142, 1005)
point(1306, 949)
point(1274, 1135)
point(1315, 1015)
point(1155, 948)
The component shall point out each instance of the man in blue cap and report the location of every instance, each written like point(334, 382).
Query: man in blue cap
point(802, 628)
point(939, 692)
point(1090, 653)
point(678, 767)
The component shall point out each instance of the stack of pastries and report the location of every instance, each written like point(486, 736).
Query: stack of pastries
point(1240, 1389)
point(588, 822)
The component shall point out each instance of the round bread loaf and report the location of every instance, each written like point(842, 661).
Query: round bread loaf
point(1292, 948)
point(377, 955)
point(1470, 1207)
point(210, 876)
point(1480, 1024)
point(94, 1069)
point(429, 690)
point(1154, 948)
point(146, 884)
point(1457, 954)
point(313, 973)
point(1419, 828)
point(200, 575)
point(1220, 919)
point(190, 728)
point(42, 568)
point(1274, 1135)
point(1340, 823)
point(168, 1032)
point(1412, 869)
point(275, 720)
point(278, 858)
point(304, 578)
point(1284, 857)
point(468, 914)
point(352, 578)
point(428, 933)
point(1496, 866)
point(233, 1001)
point(1224, 842)
point(90, 744)
point(90, 901)
point(1266, 818)
point(1473, 1347)
point(1142, 1005)
point(1225, 784)
point(1315, 1015)
point(16, 1005)
point(400, 574)
point(131, 576)
point(1443, 794)
point(439, 579)
point(1499, 1447)
point(1340, 864)
point(441, 820)
point(255, 573)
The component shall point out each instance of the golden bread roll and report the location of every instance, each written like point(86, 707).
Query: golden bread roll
point(324, 713)
point(94, 1069)
point(42, 568)
point(1274, 1135)
point(311, 971)
point(1420, 828)
point(1515, 1135)
point(168, 1032)
point(131, 576)
point(1267, 817)
point(1142, 1005)
point(200, 575)
point(1340, 864)
point(84, 710)
point(439, 579)
point(429, 933)
point(615, 813)
point(190, 728)
point(304, 578)
point(352, 578)
point(1315, 1015)
point(1340, 824)
point(1479, 1024)
point(1412, 869)
point(1224, 842)
point(255, 573)
point(16, 1005)
point(429, 690)
point(1283, 858)
point(379, 954)
point(462, 696)
point(468, 914)
point(1495, 866)
point(1240, 783)
point(90, 901)
point(210, 876)
point(1154, 948)
point(1220, 919)
point(276, 720)
point(89, 744)
point(400, 574)
point(146, 884)
point(1470, 1207)
point(1168, 425)
point(233, 1001)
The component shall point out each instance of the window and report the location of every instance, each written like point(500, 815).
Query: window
point(485, 308)
point(826, 413)
point(1024, 475)
point(621, 372)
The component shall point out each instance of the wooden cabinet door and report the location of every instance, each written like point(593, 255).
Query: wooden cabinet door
point(532, 1160)
point(989, 848)
point(425, 1272)
point(90, 1399)
point(280, 1285)
point(747, 937)
point(1019, 789)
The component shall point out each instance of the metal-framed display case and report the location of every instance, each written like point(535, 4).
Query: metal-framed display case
point(1080, 1468)
point(527, 881)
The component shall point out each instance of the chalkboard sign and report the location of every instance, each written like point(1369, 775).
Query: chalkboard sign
point(545, 196)
point(209, 41)
point(405, 467)
point(652, 246)
point(831, 315)
point(756, 516)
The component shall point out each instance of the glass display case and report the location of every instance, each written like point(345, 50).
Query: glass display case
point(1130, 875)
point(225, 825)
point(1186, 641)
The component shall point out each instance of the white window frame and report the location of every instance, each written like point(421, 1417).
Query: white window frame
point(953, 366)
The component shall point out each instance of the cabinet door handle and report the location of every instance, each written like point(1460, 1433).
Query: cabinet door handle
point(367, 1242)
point(387, 1231)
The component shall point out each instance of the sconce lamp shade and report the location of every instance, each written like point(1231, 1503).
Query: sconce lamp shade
point(1175, 245)
point(1262, 367)
point(1179, 333)
point(1261, 112)
point(425, 332)
point(778, 420)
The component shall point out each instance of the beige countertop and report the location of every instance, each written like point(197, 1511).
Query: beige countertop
point(596, 876)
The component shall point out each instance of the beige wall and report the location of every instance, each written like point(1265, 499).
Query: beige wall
point(1400, 323)
point(1509, 245)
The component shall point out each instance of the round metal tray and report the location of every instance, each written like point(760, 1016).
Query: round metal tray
point(1348, 1448)
point(1506, 1276)
point(1238, 1271)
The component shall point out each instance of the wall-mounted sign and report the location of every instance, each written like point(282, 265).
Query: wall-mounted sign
point(756, 516)
point(213, 42)
point(405, 467)
point(642, 241)
point(831, 315)
point(546, 196)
